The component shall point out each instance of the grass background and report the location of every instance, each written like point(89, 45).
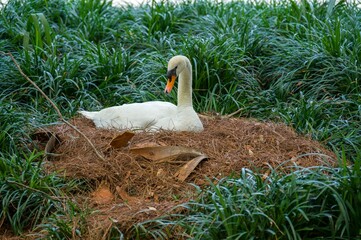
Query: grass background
point(287, 61)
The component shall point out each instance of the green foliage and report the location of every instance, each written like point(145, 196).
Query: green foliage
point(68, 223)
point(350, 190)
point(10, 130)
point(27, 193)
point(307, 203)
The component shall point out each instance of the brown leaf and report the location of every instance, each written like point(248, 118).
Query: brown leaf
point(54, 140)
point(122, 140)
point(145, 144)
point(102, 194)
point(164, 152)
point(47, 138)
point(188, 168)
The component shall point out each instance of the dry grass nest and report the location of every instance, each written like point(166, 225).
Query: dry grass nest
point(130, 187)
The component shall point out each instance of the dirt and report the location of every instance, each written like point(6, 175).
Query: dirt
point(129, 188)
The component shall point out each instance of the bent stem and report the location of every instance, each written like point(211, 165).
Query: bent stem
point(54, 106)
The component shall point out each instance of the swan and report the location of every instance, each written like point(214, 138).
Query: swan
point(156, 115)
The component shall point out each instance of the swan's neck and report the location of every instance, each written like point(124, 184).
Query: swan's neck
point(185, 87)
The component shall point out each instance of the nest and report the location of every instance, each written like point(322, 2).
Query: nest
point(131, 187)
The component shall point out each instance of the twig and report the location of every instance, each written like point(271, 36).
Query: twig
point(53, 104)
point(222, 117)
point(234, 113)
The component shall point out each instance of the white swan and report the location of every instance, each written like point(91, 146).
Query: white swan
point(156, 115)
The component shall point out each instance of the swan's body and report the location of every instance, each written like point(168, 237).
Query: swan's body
point(156, 115)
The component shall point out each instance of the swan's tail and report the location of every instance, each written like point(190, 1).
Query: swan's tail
point(89, 115)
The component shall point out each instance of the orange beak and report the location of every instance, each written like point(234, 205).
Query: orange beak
point(170, 83)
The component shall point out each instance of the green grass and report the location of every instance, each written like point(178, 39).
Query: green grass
point(27, 193)
point(67, 223)
point(296, 62)
point(308, 203)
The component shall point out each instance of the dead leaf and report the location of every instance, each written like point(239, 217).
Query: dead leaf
point(162, 153)
point(54, 140)
point(146, 144)
point(102, 194)
point(49, 139)
point(188, 168)
point(122, 140)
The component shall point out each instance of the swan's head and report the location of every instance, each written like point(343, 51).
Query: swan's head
point(175, 66)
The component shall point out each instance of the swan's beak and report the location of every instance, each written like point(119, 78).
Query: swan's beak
point(170, 83)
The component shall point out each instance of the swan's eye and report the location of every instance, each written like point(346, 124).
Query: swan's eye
point(172, 72)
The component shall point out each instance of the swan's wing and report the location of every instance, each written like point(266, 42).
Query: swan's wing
point(89, 115)
point(132, 116)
